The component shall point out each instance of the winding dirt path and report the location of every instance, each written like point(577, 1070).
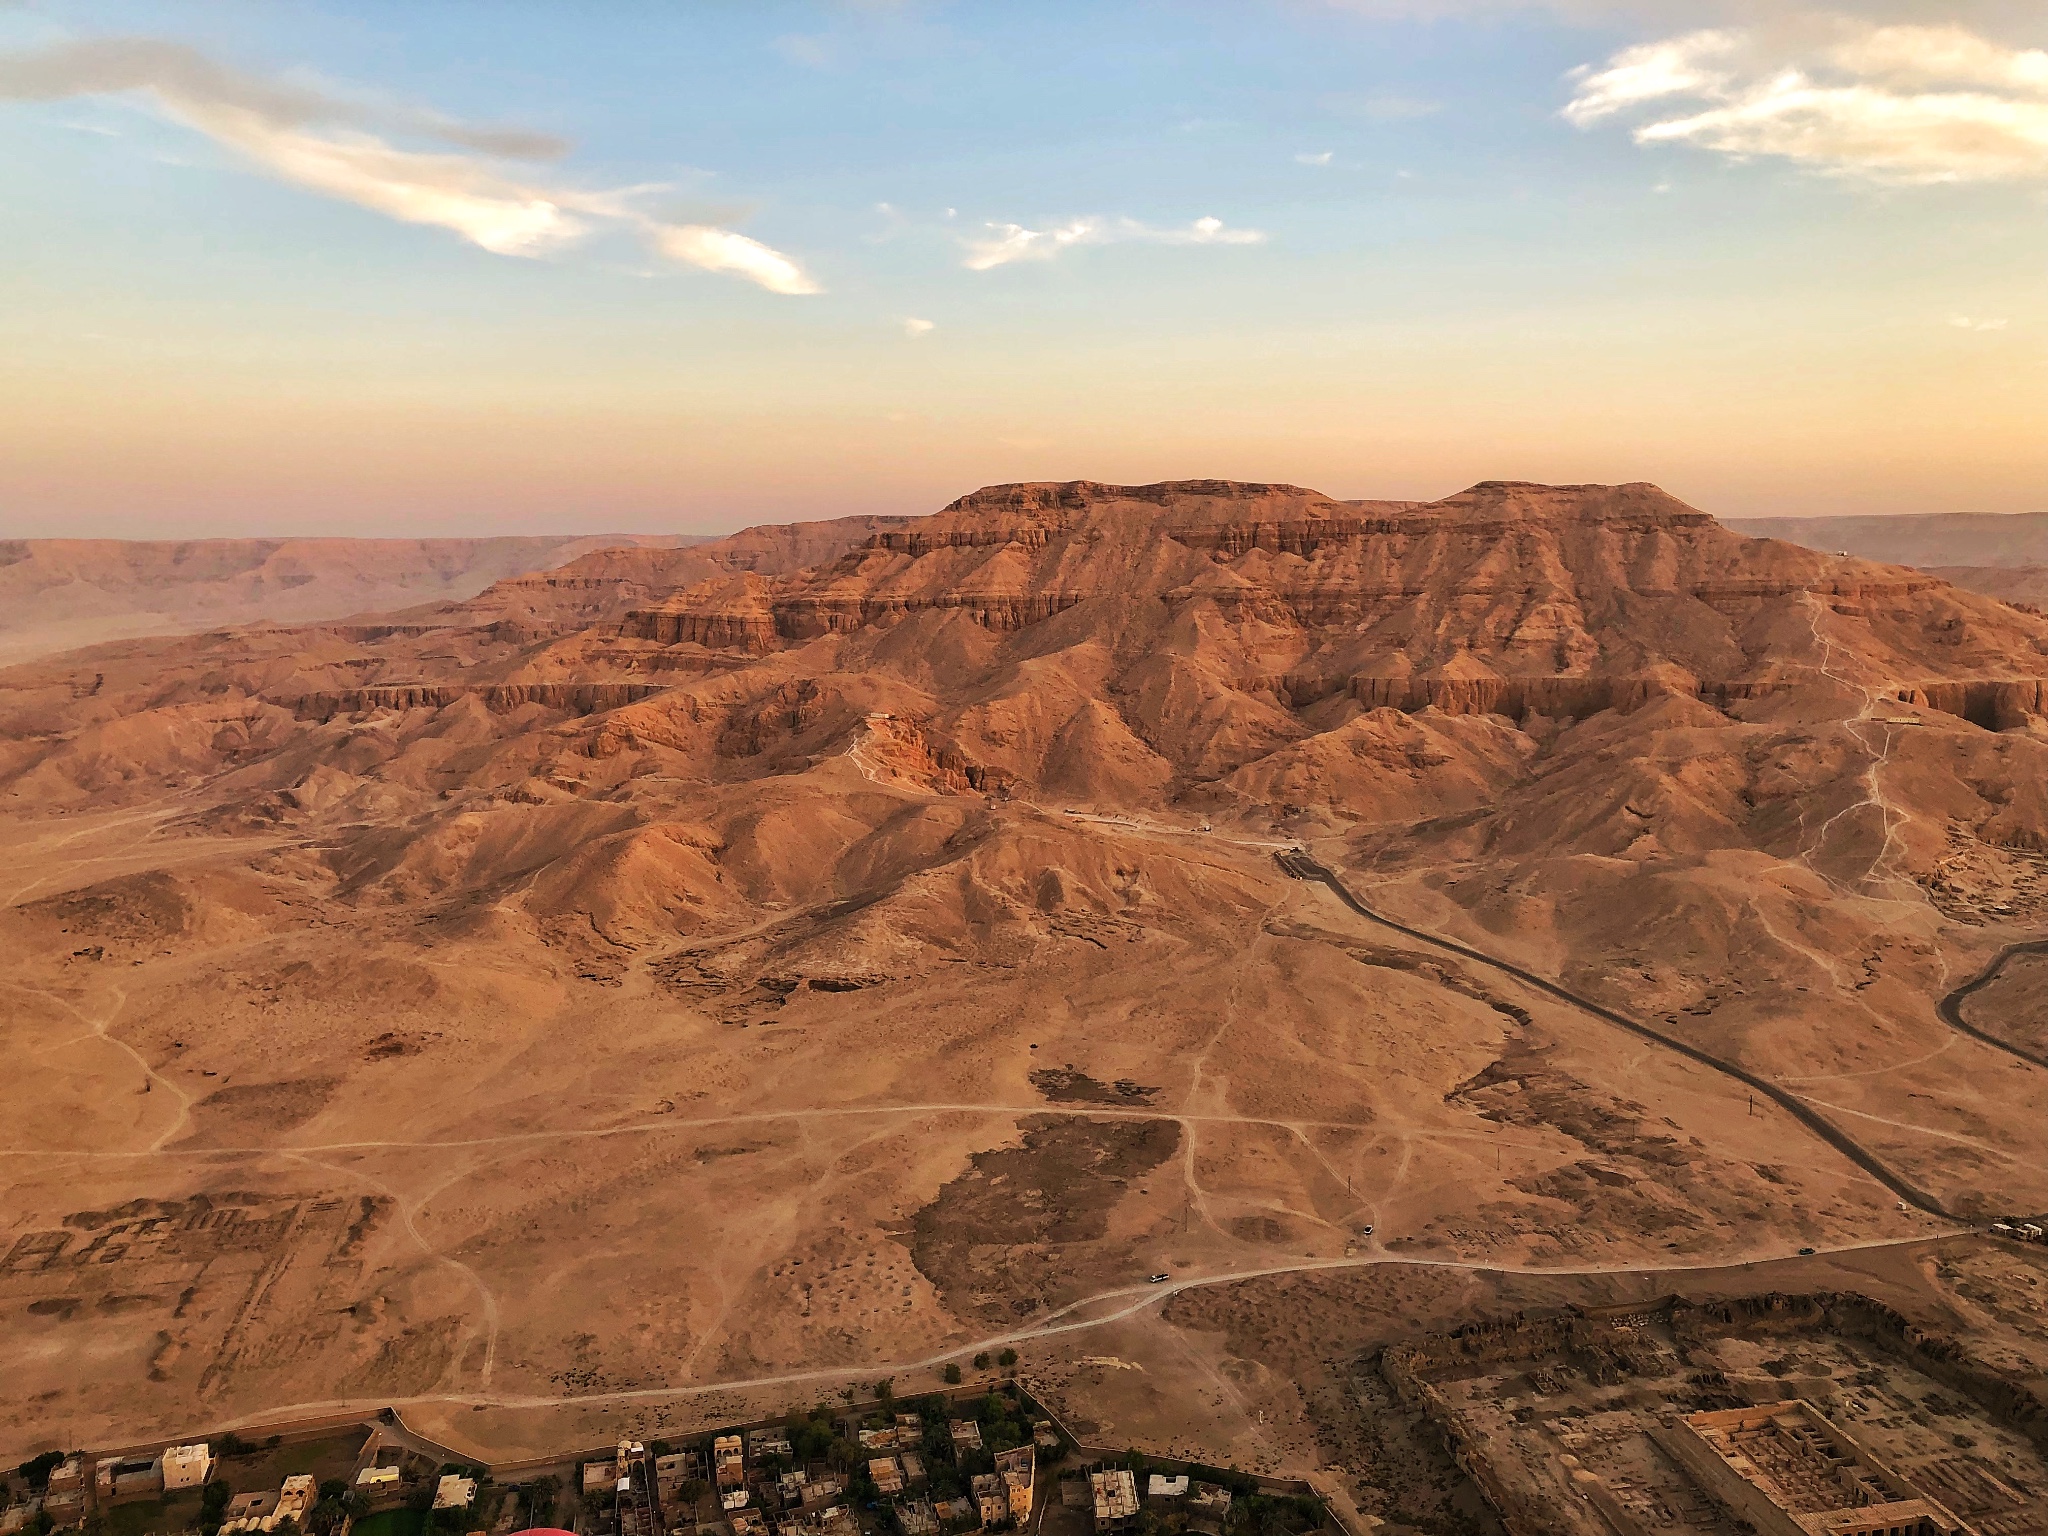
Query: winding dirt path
point(1133, 1298)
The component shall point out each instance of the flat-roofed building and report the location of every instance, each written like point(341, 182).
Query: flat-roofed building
point(187, 1466)
point(377, 1479)
point(125, 1478)
point(917, 1518)
point(966, 1435)
point(1019, 1470)
point(886, 1475)
point(1115, 1498)
point(728, 1461)
point(991, 1501)
point(455, 1492)
point(1160, 1486)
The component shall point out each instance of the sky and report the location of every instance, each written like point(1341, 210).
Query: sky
point(273, 267)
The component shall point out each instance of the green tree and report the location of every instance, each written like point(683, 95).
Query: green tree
point(981, 1361)
point(541, 1495)
point(953, 1375)
point(213, 1504)
point(37, 1469)
point(1007, 1358)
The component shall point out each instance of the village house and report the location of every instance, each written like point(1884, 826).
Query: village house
point(455, 1492)
point(121, 1479)
point(991, 1499)
point(728, 1461)
point(1018, 1469)
point(966, 1435)
point(887, 1476)
point(1208, 1507)
point(267, 1511)
point(186, 1466)
point(1116, 1499)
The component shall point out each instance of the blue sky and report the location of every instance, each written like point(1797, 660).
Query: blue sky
point(290, 267)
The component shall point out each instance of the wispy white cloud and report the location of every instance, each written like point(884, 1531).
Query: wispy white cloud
point(1007, 243)
point(480, 185)
point(1903, 104)
point(1966, 323)
point(914, 327)
point(1319, 157)
point(723, 250)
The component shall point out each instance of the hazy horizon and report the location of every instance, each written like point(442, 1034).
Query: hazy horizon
point(369, 270)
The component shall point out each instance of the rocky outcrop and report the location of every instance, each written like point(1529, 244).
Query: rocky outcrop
point(1997, 704)
point(499, 698)
point(718, 630)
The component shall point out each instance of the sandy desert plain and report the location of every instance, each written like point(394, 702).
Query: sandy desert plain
point(670, 987)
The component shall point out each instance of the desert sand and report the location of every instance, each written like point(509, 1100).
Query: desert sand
point(663, 986)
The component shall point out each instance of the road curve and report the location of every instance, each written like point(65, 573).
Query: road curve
point(1302, 867)
point(1951, 1007)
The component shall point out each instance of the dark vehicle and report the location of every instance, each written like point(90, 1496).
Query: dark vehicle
point(1805, 1253)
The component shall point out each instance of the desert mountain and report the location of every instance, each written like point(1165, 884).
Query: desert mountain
point(2004, 556)
point(703, 965)
point(59, 594)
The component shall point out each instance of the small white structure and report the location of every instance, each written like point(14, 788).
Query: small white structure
point(187, 1466)
point(370, 1479)
point(455, 1492)
point(1162, 1487)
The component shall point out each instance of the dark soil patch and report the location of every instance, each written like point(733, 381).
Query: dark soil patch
point(1063, 1085)
point(243, 1108)
point(145, 906)
point(1010, 1237)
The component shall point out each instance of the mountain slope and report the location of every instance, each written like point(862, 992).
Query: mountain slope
point(728, 966)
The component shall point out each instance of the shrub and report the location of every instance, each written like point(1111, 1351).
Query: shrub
point(37, 1469)
point(953, 1375)
point(1007, 1358)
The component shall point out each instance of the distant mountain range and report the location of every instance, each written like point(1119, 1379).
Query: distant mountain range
point(1999, 554)
point(58, 594)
